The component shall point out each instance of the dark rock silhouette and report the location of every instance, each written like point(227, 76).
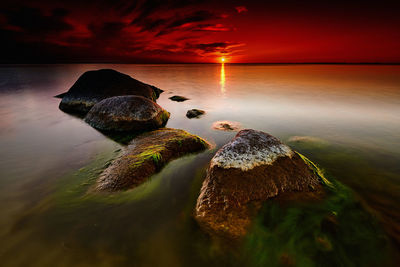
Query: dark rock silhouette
point(178, 98)
point(94, 86)
point(194, 113)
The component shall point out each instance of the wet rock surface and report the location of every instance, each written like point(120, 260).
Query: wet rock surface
point(94, 86)
point(252, 168)
point(194, 113)
point(127, 114)
point(146, 155)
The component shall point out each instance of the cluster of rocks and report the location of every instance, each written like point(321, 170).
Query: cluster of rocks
point(252, 168)
point(112, 101)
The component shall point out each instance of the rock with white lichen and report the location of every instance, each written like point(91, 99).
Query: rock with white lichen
point(94, 86)
point(146, 155)
point(127, 114)
point(252, 168)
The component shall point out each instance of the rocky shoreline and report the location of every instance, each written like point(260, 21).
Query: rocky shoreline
point(253, 169)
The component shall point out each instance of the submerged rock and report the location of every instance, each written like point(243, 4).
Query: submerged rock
point(178, 98)
point(226, 126)
point(252, 168)
point(146, 155)
point(94, 86)
point(127, 114)
point(194, 113)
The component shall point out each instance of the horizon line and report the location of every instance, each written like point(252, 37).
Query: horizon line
point(216, 63)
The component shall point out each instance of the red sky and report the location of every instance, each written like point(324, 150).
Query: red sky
point(199, 31)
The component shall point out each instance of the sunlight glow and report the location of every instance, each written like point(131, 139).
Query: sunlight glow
point(222, 59)
point(222, 80)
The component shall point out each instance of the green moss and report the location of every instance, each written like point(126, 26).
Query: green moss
point(164, 116)
point(334, 232)
point(316, 170)
point(152, 152)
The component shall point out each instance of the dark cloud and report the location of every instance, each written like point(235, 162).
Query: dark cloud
point(217, 48)
point(195, 17)
point(241, 9)
point(33, 21)
point(106, 30)
point(194, 30)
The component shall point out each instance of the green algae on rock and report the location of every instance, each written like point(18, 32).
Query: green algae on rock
point(252, 168)
point(127, 114)
point(146, 155)
point(94, 86)
point(337, 231)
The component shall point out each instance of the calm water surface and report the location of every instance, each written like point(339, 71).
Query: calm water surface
point(345, 118)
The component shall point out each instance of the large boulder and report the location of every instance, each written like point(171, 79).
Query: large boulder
point(146, 155)
point(94, 86)
point(127, 114)
point(250, 169)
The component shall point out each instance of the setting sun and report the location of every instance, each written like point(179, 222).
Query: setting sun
point(222, 59)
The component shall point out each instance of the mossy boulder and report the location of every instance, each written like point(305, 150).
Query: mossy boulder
point(127, 114)
point(94, 86)
point(146, 155)
point(250, 169)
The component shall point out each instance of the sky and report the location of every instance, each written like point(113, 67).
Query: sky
point(192, 31)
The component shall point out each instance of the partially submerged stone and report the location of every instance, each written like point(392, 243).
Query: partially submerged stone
point(226, 126)
point(146, 155)
point(178, 98)
point(250, 169)
point(94, 86)
point(194, 113)
point(127, 114)
point(306, 139)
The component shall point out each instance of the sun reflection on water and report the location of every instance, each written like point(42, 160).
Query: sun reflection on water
point(222, 80)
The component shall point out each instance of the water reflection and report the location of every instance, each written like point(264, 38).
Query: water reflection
point(342, 117)
point(222, 80)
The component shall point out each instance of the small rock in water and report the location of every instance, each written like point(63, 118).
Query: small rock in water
point(252, 168)
point(194, 113)
point(127, 114)
point(226, 125)
point(146, 155)
point(178, 98)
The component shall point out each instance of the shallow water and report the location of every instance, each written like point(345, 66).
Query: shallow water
point(344, 117)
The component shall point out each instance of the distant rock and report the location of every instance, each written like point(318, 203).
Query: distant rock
point(194, 113)
point(94, 86)
point(60, 95)
point(146, 155)
point(252, 168)
point(178, 98)
point(226, 126)
point(127, 114)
